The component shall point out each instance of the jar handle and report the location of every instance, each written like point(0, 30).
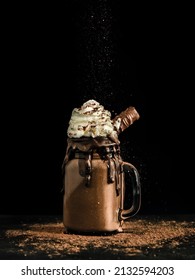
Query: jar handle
point(135, 184)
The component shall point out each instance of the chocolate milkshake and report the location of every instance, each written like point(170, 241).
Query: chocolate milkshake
point(94, 172)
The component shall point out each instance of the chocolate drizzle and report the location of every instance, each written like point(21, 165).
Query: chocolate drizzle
point(86, 148)
point(87, 145)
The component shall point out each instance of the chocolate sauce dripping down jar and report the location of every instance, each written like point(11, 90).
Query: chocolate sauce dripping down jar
point(95, 182)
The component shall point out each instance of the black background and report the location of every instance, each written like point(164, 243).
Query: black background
point(52, 66)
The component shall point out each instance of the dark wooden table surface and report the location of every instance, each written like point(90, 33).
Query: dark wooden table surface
point(144, 237)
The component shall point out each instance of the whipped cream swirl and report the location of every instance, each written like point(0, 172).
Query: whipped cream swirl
point(92, 120)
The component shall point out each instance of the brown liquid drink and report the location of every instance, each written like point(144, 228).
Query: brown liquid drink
point(94, 181)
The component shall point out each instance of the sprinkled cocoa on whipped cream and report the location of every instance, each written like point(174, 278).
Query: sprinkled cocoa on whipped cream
point(92, 120)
